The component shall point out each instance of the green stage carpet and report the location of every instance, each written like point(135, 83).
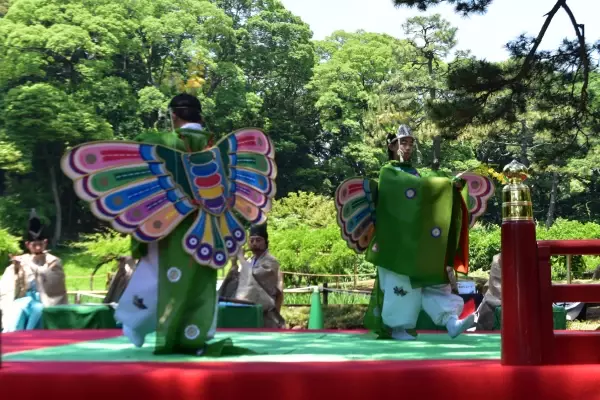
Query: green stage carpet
point(283, 347)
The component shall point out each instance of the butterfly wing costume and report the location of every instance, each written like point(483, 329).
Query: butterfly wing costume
point(410, 225)
point(187, 202)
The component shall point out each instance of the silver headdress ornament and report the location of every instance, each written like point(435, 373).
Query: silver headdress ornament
point(403, 132)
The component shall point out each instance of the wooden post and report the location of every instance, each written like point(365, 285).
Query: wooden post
point(355, 275)
point(569, 262)
point(325, 294)
point(521, 295)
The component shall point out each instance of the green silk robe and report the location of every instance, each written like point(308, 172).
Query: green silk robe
point(419, 230)
point(187, 306)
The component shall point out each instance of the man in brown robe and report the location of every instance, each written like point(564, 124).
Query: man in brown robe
point(258, 280)
point(492, 299)
point(32, 281)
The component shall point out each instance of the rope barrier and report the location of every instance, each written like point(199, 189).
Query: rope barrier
point(349, 291)
point(283, 272)
point(96, 292)
point(325, 275)
point(310, 289)
point(95, 296)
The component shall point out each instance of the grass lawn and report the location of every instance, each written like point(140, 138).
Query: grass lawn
point(344, 311)
point(79, 266)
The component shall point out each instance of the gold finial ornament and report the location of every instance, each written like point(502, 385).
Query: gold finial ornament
point(516, 197)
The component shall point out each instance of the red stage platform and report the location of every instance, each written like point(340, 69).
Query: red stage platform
point(53, 364)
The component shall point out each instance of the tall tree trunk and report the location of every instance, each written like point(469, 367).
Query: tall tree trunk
point(552, 206)
point(524, 158)
point(437, 151)
point(58, 211)
point(432, 93)
point(437, 140)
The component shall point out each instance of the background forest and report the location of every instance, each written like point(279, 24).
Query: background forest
point(72, 71)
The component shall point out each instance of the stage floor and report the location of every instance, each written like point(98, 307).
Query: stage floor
point(281, 346)
point(290, 365)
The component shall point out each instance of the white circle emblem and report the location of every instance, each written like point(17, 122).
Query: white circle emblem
point(410, 193)
point(173, 274)
point(436, 232)
point(191, 332)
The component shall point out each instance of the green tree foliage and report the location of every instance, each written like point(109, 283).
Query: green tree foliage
point(432, 38)
point(485, 243)
point(275, 56)
point(9, 244)
point(3, 7)
point(75, 70)
point(40, 120)
point(346, 83)
point(104, 246)
point(305, 237)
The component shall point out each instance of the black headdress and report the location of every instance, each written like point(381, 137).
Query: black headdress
point(260, 230)
point(35, 229)
point(187, 107)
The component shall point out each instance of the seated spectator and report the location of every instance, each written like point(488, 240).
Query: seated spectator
point(485, 315)
point(32, 281)
point(258, 280)
point(120, 280)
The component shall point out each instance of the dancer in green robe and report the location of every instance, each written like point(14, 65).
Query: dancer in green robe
point(179, 200)
point(412, 227)
point(185, 328)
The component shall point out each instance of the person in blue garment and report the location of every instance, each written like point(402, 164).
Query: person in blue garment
point(32, 281)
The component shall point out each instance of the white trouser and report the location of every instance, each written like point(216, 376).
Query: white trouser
point(144, 286)
point(402, 304)
point(213, 327)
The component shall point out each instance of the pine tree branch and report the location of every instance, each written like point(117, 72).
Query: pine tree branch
point(528, 64)
point(584, 56)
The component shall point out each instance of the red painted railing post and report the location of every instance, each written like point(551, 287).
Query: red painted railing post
point(521, 330)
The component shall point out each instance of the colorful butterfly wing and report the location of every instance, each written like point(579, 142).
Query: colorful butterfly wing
point(355, 201)
point(238, 174)
point(252, 173)
point(130, 185)
point(481, 189)
point(213, 239)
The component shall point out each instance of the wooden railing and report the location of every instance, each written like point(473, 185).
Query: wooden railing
point(562, 347)
point(528, 336)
